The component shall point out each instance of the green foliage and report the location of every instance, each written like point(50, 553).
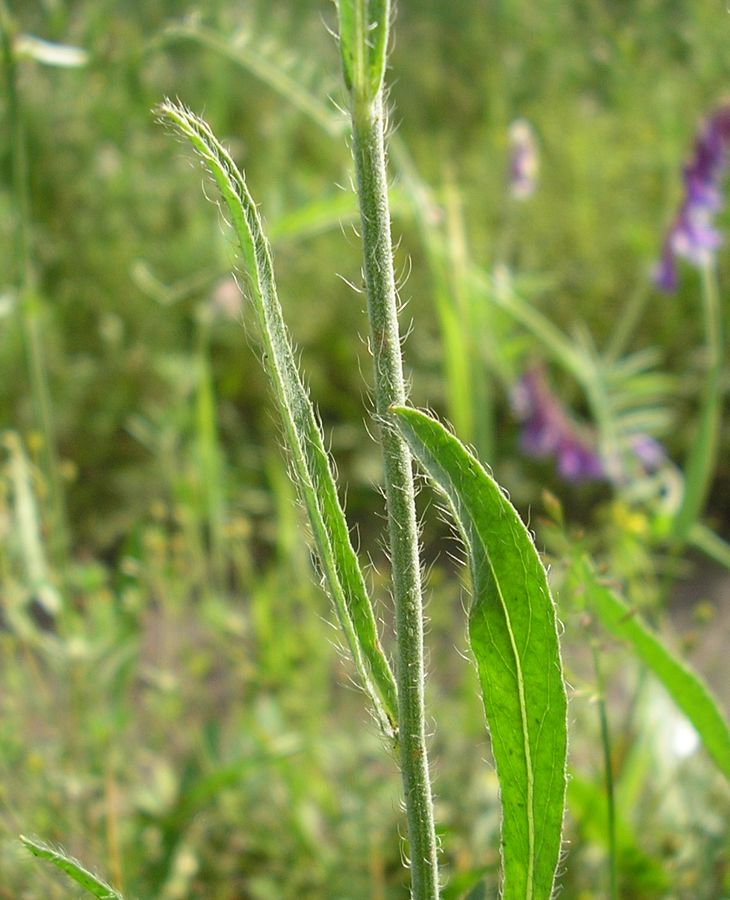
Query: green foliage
point(188, 647)
point(684, 686)
point(513, 635)
point(93, 885)
point(363, 37)
point(311, 463)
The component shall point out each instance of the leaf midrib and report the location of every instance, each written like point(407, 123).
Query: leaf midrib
point(523, 708)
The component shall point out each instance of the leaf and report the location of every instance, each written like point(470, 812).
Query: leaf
point(363, 36)
point(513, 634)
point(311, 463)
point(684, 686)
point(643, 872)
point(95, 886)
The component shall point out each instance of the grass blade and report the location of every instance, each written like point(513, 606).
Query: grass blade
point(310, 461)
point(95, 886)
point(512, 628)
point(684, 686)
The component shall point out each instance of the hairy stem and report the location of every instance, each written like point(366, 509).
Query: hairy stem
point(369, 153)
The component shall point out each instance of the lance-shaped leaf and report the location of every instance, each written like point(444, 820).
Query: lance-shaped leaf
point(311, 463)
point(513, 635)
point(363, 33)
point(684, 686)
point(90, 882)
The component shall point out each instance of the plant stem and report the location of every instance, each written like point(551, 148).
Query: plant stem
point(369, 154)
point(212, 489)
point(712, 545)
point(608, 775)
point(700, 465)
point(627, 322)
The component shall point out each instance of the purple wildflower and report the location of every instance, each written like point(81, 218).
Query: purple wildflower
point(523, 160)
point(692, 234)
point(649, 452)
point(549, 431)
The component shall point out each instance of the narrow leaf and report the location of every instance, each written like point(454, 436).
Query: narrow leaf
point(363, 33)
point(513, 634)
point(95, 886)
point(684, 686)
point(348, 40)
point(310, 461)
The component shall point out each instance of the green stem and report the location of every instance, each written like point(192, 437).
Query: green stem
point(608, 775)
point(212, 489)
point(30, 302)
point(369, 154)
point(700, 465)
point(627, 322)
point(712, 545)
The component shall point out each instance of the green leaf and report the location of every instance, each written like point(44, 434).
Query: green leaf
point(363, 43)
point(513, 634)
point(311, 464)
point(684, 686)
point(703, 538)
point(95, 886)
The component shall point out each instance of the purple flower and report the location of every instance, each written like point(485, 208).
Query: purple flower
point(692, 234)
point(549, 431)
point(649, 452)
point(523, 160)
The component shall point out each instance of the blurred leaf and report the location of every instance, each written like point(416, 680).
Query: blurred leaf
point(705, 539)
point(49, 54)
point(324, 214)
point(512, 628)
point(469, 885)
point(639, 872)
point(267, 63)
point(685, 687)
point(95, 886)
point(28, 530)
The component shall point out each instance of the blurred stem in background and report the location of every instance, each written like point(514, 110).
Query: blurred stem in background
point(210, 463)
point(608, 773)
point(473, 341)
point(702, 458)
point(627, 322)
point(468, 347)
point(30, 301)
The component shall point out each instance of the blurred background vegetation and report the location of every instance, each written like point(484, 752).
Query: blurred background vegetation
point(174, 707)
